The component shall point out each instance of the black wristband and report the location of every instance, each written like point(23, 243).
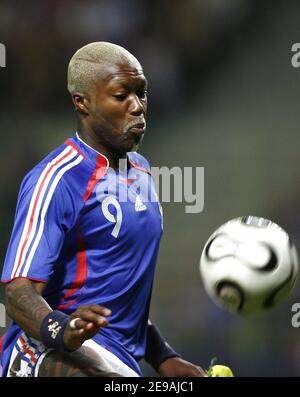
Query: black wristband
point(52, 329)
point(157, 349)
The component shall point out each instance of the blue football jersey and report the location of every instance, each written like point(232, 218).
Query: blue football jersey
point(92, 234)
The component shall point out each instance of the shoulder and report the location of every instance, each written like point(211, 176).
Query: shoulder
point(139, 161)
point(63, 167)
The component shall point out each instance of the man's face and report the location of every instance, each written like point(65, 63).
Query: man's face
point(118, 108)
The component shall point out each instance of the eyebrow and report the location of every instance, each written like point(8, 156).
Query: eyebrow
point(143, 82)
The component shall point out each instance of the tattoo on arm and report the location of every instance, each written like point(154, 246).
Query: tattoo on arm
point(82, 363)
point(27, 308)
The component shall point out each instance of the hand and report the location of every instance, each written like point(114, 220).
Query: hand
point(177, 367)
point(92, 319)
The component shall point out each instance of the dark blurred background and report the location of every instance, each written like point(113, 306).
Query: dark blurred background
point(223, 95)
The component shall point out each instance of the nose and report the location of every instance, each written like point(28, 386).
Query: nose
point(136, 107)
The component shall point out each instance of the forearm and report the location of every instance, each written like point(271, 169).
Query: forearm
point(165, 360)
point(157, 349)
point(26, 307)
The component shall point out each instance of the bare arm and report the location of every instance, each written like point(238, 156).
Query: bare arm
point(26, 306)
point(164, 359)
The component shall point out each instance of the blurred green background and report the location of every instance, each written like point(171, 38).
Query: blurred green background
point(223, 95)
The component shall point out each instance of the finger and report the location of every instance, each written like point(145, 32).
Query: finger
point(80, 332)
point(104, 311)
point(84, 333)
point(92, 326)
point(91, 317)
point(79, 324)
point(199, 372)
point(96, 308)
point(88, 325)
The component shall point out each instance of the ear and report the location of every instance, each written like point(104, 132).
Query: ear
point(81, 102)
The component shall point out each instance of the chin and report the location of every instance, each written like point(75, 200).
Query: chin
point(133, 147)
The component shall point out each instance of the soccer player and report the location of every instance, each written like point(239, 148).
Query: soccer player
point(80, 263)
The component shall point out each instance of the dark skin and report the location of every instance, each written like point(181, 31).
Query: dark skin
point(112, 121)
point(118, 101)
point(26, 306)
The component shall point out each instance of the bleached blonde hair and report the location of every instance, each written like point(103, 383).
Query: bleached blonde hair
point(88, 64)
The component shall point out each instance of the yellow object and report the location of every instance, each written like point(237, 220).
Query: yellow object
point(220, 371)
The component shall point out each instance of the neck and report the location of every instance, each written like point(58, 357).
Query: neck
point(89, 138)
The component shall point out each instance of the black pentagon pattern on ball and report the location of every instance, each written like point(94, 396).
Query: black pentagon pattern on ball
point(270, 301)
point(208, 257)
point(269, 266)
point(208, 247)
point(273, 261)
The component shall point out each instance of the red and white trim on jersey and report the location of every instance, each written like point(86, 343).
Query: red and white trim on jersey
point(27, 350)
point(99, 172)
point(102, 165)
point(81, 273)
point(31, 352)
point(39, 204)
point(70, 143)
point(1, 343)
point(94, 150)
point(139, 167)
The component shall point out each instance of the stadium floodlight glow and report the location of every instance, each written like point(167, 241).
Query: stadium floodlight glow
point(2, 55)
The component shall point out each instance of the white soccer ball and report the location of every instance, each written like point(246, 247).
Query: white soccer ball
point(249, 265)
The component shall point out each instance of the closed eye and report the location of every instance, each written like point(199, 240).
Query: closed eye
point(120, 97)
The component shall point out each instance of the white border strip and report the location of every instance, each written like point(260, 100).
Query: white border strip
point(44, 211)
point(37, 210)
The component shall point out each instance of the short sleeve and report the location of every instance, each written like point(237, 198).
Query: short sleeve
point(43, 216)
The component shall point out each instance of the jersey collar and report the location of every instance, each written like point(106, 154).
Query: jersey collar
point(86, 150)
